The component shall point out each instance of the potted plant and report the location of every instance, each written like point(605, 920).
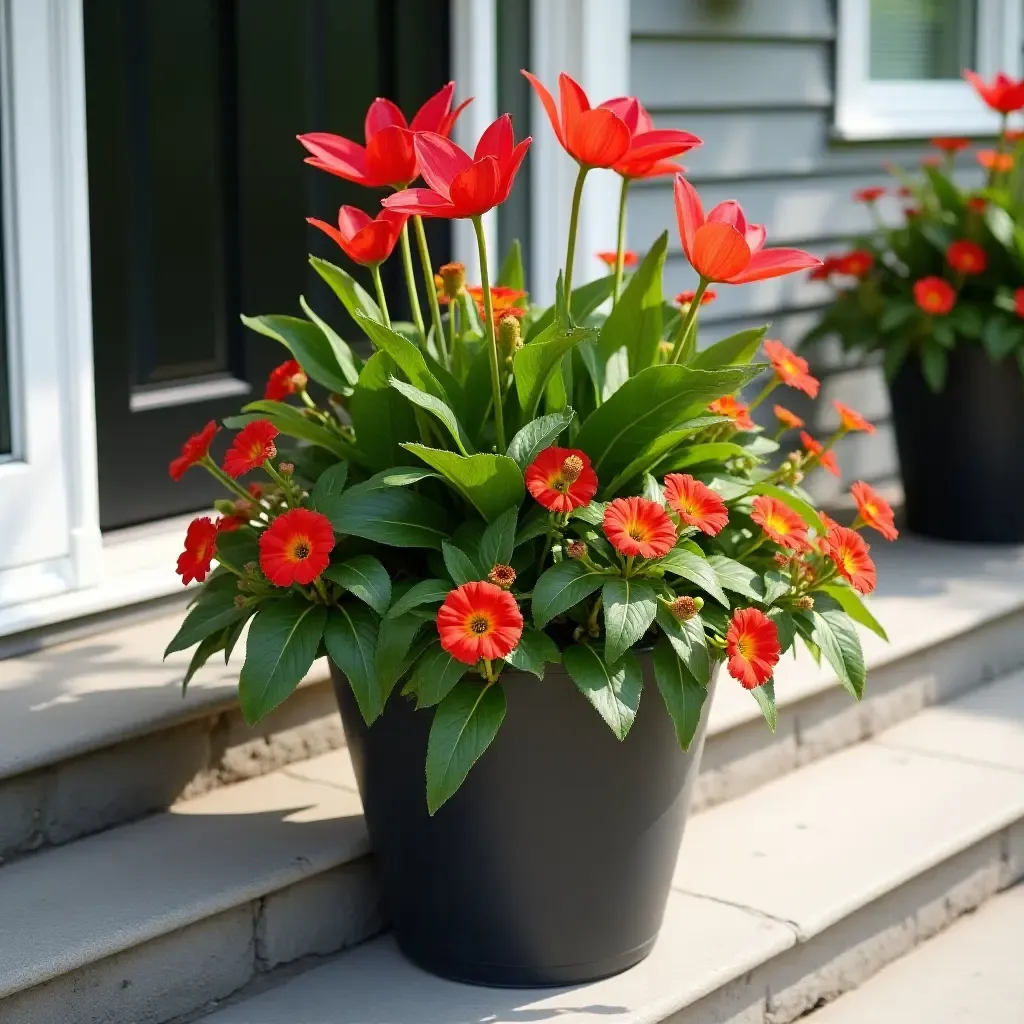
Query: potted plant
point(503, 528)
point(941, 297)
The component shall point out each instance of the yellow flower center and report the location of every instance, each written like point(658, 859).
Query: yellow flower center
point(478, 624)
point(299, 548)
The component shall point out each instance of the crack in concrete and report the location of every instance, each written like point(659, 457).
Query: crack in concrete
point(938, 755)
point(763, 914)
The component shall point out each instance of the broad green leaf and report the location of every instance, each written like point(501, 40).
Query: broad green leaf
point(683, 695)
point(396, 476)
point(561, 587)
point(776, 585)
point(460, 566)
point(728, 488)
point(208, 646)
point(534, 651)
point(785, 626)
point(652, 490)
point(214, 610)
point(737, 349)
point(934, 365)
point(851, 603)
point(765, 697)
point(804, 510)
point(308, 344)
point(353, 295)
point(688, 641)
point(424, 592)
point(947, 193)
point(498, 540)
point(331, 481)
point(350, 637)
point(434, 675)
point(437, 408)
point(464, 726)
point(511, 273)
point(237, 548)
point(537, 435)
point(343, 355)
point(382, 418)
point(695, 454)
point(394, 639)
point(534, 363)
point(407, 357)
point(583, 302)
point(737, 577)
point(292, 422)
point(535, 523)
point(682, 562)
point(592, 513)
point(835, 635)
point(282, 645)
point(364, 577)
point(492, 483)
point(629, 609)
point(395, 516)
point(614, 690)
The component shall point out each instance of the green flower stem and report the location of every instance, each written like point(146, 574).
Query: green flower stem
point(321, 590)
point(451, 329)
point(574, 219)
point(620, 252)
point(410, 283)
point(428, 280)
point(492, 341)
point(688, 321)
point(215, 471)
point(282, 481)
point(764, 393)
point(381, 297)
point(592, 619)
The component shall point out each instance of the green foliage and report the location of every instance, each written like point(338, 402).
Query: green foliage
point(614, 689)
point(684, 696)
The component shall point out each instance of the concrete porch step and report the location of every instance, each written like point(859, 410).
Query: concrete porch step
point(95, 732)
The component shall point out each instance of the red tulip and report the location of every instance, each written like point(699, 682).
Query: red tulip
point(723, 247)
point(1004, 95)
point(389, 157)
point(649, 148)
point(460, 185)
point(367, 240)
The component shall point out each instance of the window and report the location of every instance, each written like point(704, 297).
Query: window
point(899, 65)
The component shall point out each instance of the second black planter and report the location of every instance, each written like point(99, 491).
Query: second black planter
point(552, 864)
point(962, 451)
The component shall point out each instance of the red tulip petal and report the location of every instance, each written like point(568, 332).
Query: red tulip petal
point(774, 263)
point(476, 189)
point(449, 122)
point(422, 201)
point(511, 167)
point(382, 114)
point(328, 229)
point(496, 141)
point(689, 213)
point(347, 174)
point(391, 156)
point(664, 142)
point(374, 243)
point(755, 236)
point(626, 107)
point(440, 160)
point(645, 168)
point(351, 219)
point(431, 116)
point(340, 156)
point(598, 138)
point(719, 251)
point(550, 108)
point(730, 212)
point(574, 102)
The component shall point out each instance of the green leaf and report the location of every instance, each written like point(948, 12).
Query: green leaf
point(896, 351)
point(491, 483)
point(208, 646)
point(533, 651)
point(437, 408)
point(737, 577)
point(684, 697)
point(835, 635)
point(282, 645)
point(695, 454)
point(851, 603)
point(652, 490)
point(364, 577)
point(214, 610)
point(688, 641)
point(424, 592)
point(396, 476)
point(382, 418)
point(350, 637)
point(629, 609)
point(498, 540)
point(294, 423)
point(614, 690)
point(765, 697)
point(394, 639)
point(237, 548)
point(459, 565)
point(534, 363)
point(776, 585)
point(692, 567)
point(935, 366)
point(407, 357)
point(949, 196)
point(592, 513)
point(804, 510)
point(353, 295)
point(308, 344)
point(330, 482)
point(583, 301)
point(464, 726)
point(511, 273)
point(343, 355)
point(737, 349)
point(561, 587)
point(434, 675)
point(395, 516)
point(896, 315)
point(537, 435)
point(1001, 337)
point(785, 626)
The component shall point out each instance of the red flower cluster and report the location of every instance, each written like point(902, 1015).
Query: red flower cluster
point(504, 300)
point(934, 295)
point(284, 380)
point(993, 160)
point(194, 450)
point(752, 644)
point(967, 257)
point(636, 526)
point(951, 145)
point(561, 479)
point(695, 503)
point(857, 263)
point(684, 299)
point(200, 546)
point(366, 240)
point(479, 620)
point(869, 195)
point(791, 369)
point(253, 445)
point(296, 547)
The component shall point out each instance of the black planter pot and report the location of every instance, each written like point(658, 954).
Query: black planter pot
point(552, 864)
point(962, 451)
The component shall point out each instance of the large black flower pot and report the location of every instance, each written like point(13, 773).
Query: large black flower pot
point(552, 864)
point(962, 450)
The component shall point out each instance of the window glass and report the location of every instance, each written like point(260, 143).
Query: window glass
point(922, 40)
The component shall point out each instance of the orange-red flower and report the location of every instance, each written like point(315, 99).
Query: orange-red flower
point(228, 524)
point(779, 522)
point(790, 368)
point(1004, 94)
point(992, 160)
point(826, 459)
point(849, 551)
point(752, 644)
point(931, 160)
point(695, 503)
point(649, 147)
point(904, 192)
point(561, 479)
point(787, 418)
point(1018, 302)
point(479, 620)
point(504, 300)
point(253, 445)
point(949, 144)
point(389, 157)
point(869, 195)
point(200, 545)
point(636, 526)
point(829, 266)
point(934, 295)
point(629, 258)
point(874, 510)
point(683, 299)
point(366, 240)
point(296, 547)
point(967, 257)
point(1013, 136)
point(194, 450)
point(977, 203)
point(851, 419)
point(461, 185)
point(729, 405)
point(722, 246)
point(286, 379)
point(856, 263)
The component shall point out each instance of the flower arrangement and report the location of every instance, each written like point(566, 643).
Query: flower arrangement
point(504, 486)
point(952, 271)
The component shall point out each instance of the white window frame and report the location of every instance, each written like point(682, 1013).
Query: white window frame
point(866, 109)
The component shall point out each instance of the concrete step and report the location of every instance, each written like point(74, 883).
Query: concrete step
point(783, 899)
point(95, 732)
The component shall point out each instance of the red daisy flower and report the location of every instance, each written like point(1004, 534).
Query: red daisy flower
point(479, 620)
point(869, 195)
point(296, 547)
point(992, 160)
point(200, 546)
point(561, 479)
point(856, 263)
point(194, 450)
point(779, 522)
point(1018, 302)
point(934, 295)
point(752, 644)
point(695, 503)
point(967, 257)
point(253, 445)
point(851, 419)
point(683, 299)
point(949, 144)
point(228, 524)
point(629, 258)
point(874, 510)
point(787, 418)
point(503, 299)
point(286, 379)
point(827, 459)
point(636, 526)
point(791, 369)
point(729, 406)
point(1013, 136)
point(977, 203)
point(849, 551)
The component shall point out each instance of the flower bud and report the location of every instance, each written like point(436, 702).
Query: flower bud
point(782, 559)
point(576, 549)
point(251, 568)
point(225, 506)
point(453, 279)
point(502, 576)
point(509, 335)
point(805, 603)
point(286, 468)
point(572, 467)
point(686, 607)
point(241, 507)
point(240, 601)
point(796, 476)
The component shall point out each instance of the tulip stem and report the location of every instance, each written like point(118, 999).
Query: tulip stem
point(410, 283)
point(689, 321)
point(381, 297)
point(428, 280)
point(574, 218)
point(492, 341)
point(620, 252)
